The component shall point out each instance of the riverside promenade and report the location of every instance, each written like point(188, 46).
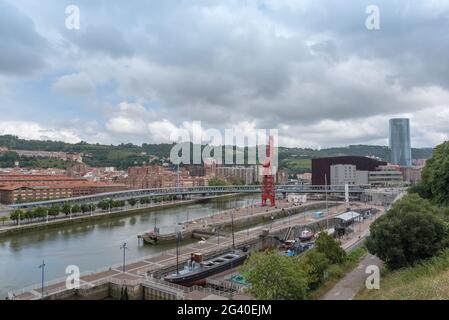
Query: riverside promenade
point(140, 270)
point(54, 222)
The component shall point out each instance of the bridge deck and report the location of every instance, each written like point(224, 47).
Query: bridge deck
point(142, 193)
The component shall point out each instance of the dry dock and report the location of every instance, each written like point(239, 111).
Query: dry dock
point(138, 281)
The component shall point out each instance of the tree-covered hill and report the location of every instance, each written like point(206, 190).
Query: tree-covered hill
point(295, 160)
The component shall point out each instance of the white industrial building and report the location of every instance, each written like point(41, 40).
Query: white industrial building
point(342, 174)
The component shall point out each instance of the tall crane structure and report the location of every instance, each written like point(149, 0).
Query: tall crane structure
point(268, 190)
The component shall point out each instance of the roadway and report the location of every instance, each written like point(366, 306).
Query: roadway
point(142, 193)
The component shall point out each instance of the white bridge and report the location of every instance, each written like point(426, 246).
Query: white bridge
point(204, 191)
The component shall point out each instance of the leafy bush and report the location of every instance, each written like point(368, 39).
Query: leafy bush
point(275, 277)
point(330, 248)
point(410, 232)
point(435, 176)
point(314, 264)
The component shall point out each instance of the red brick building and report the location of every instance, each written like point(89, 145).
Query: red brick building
point(154, 176)
point(23, 188)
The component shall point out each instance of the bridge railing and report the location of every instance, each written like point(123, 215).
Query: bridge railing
point(141, 193)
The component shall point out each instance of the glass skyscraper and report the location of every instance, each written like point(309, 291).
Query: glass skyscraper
point(400, 145)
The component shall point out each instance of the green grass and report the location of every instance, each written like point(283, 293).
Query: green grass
point(337, 272)
point(297, 165)
point(426, 281)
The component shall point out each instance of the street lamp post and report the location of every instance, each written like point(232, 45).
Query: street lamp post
point(178, 240)
point(232, 227)
point(218, 236)
point(42, 267)
point(124, 248)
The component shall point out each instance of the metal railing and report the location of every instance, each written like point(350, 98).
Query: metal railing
point(142, 193)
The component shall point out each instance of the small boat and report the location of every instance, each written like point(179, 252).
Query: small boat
point(306, 235)
point(154, 238)
point(196, 271)
point(149, 238)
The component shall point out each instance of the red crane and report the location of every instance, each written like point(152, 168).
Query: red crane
point(268, 191)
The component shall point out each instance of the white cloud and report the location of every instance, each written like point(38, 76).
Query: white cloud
point(308, 68)
point(34, 131)
point(126, 125)
point(77, 84)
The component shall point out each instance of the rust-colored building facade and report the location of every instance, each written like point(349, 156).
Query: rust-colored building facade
point(154, 176)
point(24, 188)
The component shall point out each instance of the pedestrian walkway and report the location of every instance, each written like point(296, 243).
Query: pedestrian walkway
point(349, 286)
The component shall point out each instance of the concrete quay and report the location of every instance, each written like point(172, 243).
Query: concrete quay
point(241, 218)
point(139, 279)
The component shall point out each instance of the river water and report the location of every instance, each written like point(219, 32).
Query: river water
point(92, 245)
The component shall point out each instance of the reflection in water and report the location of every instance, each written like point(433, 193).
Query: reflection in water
point(91, 245)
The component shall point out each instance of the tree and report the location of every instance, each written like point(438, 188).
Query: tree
point(104, 204)
point(435, 176)
point(132, 202)
point(274, 277)
point(330, 248)
point(66, 208)
point(217, 182)
point(237, 181)
point(85, 208)
point(4, 219)
point(118, 203)
point(314, 264)
point(76, 208)
point(144, 200)
point(54, 210)
point(39, 213)
point(88, 207)
point(17, 215)
point(410, 232)
point(29, 215)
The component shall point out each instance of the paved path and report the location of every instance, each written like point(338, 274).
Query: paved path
point(349, 286)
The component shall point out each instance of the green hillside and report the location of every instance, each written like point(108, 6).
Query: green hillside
point(426, 281)
point(295, 160)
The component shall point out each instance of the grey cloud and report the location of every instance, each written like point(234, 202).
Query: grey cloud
point(103, 39)
point(22, 49)
point(295, 63)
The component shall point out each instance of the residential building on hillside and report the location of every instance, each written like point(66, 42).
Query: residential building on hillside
point(246, 174)
point(155, 176)
point(67, 156)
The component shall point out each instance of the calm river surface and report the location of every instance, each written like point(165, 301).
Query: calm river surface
point(92, 246)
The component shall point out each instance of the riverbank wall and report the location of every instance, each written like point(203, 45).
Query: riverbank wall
point(53, 224)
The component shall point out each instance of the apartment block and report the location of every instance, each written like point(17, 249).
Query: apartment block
point(25, 188)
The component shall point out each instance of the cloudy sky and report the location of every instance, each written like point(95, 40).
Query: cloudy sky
point(136, 71)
